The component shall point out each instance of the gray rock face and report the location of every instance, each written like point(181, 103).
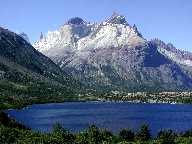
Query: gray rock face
point(114, 56)
point(182, 58)
point(76, 21)
point(117, 19)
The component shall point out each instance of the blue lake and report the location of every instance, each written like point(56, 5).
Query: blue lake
point(78, 116)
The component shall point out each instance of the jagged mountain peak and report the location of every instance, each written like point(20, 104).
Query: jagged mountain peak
point(79, 35)
point(117, 19)
point(114, 55)
point(41, 36)
point(76, 21)
point(24, 36)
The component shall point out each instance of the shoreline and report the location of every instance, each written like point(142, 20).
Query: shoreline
point(138, 102)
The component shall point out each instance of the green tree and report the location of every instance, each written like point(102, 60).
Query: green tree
point(165, 137)
point(93, 133)
point(143, 134)
point(183, 140)
point(8, 135)
point(188, 134)
point(106, 135)
point(57, 128)
point(126, 134)
point(62, 133)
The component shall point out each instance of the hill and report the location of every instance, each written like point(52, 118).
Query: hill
point(27, 76)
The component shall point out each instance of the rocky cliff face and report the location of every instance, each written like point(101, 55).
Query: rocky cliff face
point(114, 56)
point(182, 58)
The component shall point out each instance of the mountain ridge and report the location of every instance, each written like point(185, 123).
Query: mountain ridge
point(114, 55)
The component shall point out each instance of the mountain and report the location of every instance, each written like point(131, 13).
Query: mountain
point(27, 76)
point(24, 36)
point(182, 58)
point(114, 56)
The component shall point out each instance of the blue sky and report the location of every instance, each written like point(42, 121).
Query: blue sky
point(168, 20)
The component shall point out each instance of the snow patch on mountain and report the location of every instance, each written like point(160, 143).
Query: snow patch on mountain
point(46, 42)
point(108, 35)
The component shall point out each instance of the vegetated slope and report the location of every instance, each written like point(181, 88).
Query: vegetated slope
point(114, 56)
point(27, 76)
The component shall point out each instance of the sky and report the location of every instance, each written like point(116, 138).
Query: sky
point(167, 20)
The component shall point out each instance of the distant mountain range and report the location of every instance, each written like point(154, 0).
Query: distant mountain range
point(114, 56)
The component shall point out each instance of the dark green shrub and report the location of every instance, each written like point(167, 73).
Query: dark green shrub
point(165, 137)
point(126, 134)
point(143, 134)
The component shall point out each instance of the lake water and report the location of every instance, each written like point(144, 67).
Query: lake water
point(78, 116)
